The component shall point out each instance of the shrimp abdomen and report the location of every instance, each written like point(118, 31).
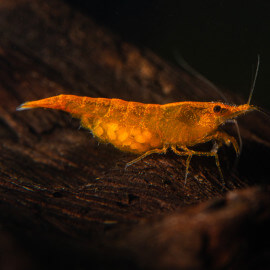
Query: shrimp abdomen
point(129, 126)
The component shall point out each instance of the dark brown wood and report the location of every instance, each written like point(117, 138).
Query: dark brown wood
point(67, 202)
point(229, 232)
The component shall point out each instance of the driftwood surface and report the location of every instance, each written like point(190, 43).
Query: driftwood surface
point(67, 202)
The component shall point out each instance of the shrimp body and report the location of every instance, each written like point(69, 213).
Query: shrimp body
point(149, 128)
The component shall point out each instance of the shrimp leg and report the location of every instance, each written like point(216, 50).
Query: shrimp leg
point(227, 139)
point(221, 137)
point(153, 151)
point(190, 153)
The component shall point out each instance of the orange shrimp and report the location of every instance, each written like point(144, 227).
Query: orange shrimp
point(146, 129)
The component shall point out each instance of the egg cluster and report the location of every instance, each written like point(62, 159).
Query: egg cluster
point(131, 138)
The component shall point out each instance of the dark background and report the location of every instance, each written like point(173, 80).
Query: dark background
point(220, 39)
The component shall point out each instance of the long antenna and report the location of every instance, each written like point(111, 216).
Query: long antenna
point(254, 80)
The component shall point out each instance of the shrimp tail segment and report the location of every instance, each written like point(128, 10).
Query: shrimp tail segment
point(23, 107)
point(68, 103)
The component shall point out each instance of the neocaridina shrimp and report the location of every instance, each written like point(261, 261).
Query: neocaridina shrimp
point(145, 129)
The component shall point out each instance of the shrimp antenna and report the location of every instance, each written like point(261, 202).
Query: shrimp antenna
point(254, 80)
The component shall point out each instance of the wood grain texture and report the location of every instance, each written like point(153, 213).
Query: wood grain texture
point(67, 201)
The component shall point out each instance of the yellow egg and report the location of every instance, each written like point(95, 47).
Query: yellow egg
point(135, 132)
point(135, 146)
point(147, 135)
point(98, 131)
point(122, 135)
point(127, 142)
point(140, 139)
point(111, 128)
point(111, 134)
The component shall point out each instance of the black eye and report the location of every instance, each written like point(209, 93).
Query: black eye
point(217, 108)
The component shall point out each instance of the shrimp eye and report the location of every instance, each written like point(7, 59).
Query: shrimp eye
point(217, 109)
